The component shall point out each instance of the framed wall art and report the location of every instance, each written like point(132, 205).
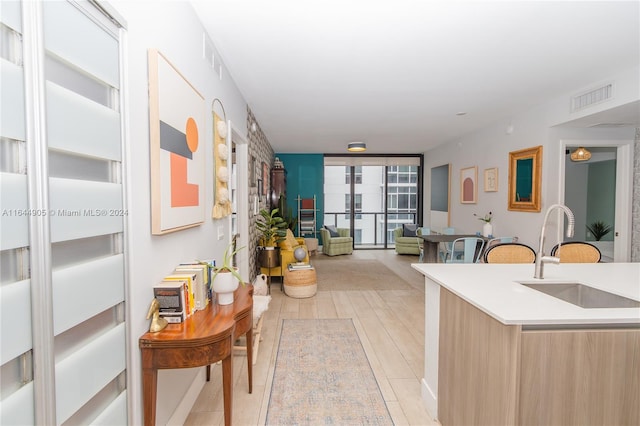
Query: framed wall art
point(253, 178)
point(525, 179)
point(469, 185)
point(176, 130)
point(491, 180)
point(265, 179)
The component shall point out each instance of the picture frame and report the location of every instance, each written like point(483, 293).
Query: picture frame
point(265, 179)
point(253, 179)
point(469, 185)
point(177, 127)
point(525, 179)
point(491, 180)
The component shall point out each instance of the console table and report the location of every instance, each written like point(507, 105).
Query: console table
point(203, 339)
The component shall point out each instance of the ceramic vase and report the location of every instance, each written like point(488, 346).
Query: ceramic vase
point(224, 285)
point(487, 229)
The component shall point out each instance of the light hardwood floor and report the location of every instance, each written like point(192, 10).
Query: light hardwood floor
point(390, 324)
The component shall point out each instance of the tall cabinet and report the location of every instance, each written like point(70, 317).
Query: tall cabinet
point(278, 185)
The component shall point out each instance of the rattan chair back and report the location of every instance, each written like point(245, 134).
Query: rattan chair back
point(509, 253)
point(576, 252)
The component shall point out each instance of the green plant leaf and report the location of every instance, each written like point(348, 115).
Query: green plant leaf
point(227, 264)
point(599, 229)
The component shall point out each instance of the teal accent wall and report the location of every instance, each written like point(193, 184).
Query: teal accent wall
point(601, 194)
point(305, 177)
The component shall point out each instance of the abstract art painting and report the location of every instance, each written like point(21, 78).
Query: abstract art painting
point(176, 131)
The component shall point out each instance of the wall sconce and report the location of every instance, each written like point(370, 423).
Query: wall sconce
point(580, 154)
point(356, 147)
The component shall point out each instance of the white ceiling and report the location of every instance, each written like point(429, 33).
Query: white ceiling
point(395, 73)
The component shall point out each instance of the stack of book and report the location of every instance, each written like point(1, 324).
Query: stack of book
point(172, 295)
point(185, 291)
point(299, 266)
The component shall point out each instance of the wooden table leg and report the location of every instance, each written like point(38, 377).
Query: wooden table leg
point(149, 389)
point(430, 252)
point(249, 337)
point(227, 385)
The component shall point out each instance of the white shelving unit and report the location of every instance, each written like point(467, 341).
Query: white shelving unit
point(307, 217)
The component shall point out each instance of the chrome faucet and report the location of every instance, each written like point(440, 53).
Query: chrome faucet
point(541, 259)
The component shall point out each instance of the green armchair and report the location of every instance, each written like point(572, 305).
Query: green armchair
point(407, 245)
point(333, 246)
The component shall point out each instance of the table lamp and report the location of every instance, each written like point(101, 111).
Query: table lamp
point(299, 254)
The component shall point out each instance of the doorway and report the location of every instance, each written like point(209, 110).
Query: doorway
point(599, 190)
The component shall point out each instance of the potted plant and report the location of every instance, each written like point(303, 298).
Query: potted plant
point(287, 213)
point(487, 228)
point(272, 227)
point(225, 277)
point(599, 229)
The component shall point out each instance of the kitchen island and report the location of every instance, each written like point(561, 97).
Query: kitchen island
point(499, 352)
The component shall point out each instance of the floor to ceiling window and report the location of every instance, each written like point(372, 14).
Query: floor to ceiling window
point(372, 196)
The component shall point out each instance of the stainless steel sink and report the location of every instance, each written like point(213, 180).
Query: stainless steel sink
point(582, 295)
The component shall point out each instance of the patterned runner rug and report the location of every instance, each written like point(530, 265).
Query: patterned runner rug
point(323, 377)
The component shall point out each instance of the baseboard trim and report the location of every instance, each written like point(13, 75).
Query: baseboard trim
point(179, 416)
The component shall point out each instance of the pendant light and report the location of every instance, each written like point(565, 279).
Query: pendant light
point(356, 147)
point(580, 154)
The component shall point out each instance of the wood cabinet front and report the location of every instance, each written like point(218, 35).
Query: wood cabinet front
point(492, 373)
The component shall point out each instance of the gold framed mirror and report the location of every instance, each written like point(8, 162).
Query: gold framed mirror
point(525, 179)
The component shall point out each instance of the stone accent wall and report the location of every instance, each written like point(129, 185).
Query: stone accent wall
point(635, 221)
point(261, 150)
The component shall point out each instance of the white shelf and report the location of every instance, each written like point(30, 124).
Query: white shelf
point(307, 217)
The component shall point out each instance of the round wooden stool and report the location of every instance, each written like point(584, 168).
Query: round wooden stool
point(300, 283)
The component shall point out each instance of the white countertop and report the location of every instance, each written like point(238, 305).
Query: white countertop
point(493, 289)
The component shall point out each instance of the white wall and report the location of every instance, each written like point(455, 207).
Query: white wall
point(172, 28)
point(490, 147)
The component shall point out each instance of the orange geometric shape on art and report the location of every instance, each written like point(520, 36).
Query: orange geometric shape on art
point(192, 134)
point(183, 193)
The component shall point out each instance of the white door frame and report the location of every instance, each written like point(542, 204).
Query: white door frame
point(624, 189)
point(242, 198)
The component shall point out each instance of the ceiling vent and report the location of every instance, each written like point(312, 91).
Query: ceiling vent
point(612, 125)
point(207, 49)
point(210, 55)
point(592, 97)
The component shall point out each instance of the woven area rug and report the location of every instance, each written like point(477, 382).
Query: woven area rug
point(346, 273)
point(323, 377)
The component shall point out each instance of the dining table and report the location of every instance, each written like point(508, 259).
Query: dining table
point(432, 241)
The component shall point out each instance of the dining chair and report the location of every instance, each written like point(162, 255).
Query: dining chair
point(509, 253)
point(445, 248)
point(501, 240)
point(422, 231)
point(465, 250)
point(576, 252)
point(498, 240)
